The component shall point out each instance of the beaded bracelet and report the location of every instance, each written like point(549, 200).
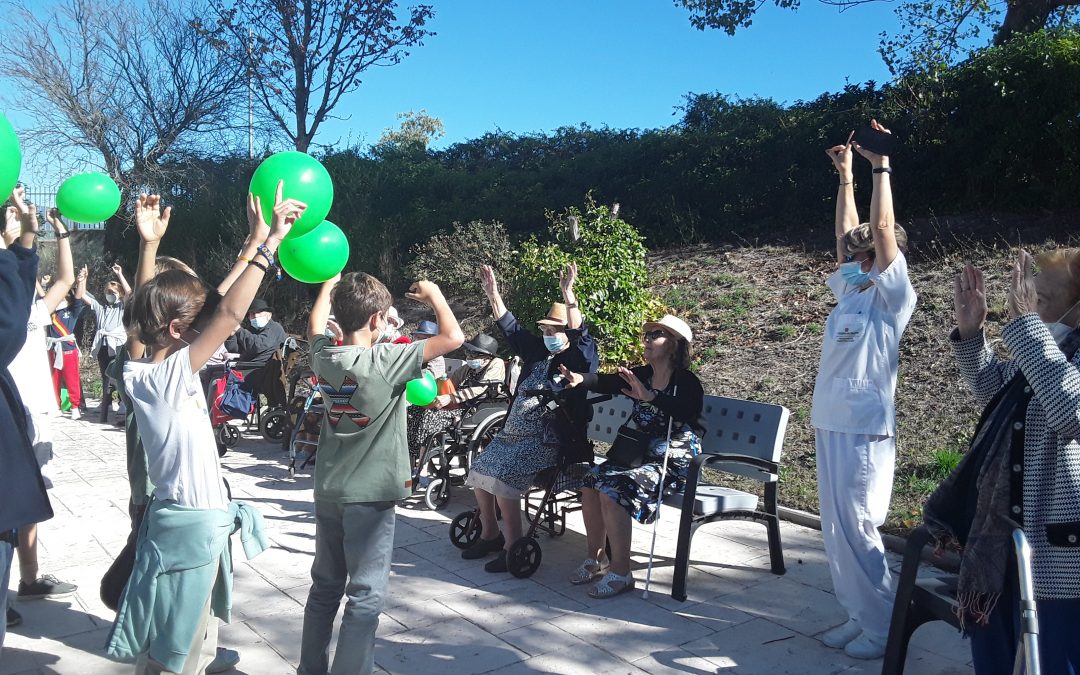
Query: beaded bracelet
point(258, 264)
point(265, 252)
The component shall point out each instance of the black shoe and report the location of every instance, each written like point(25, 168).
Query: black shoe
point(47, 586)
point(498, 564)
point(13, 617)
point(484, 547)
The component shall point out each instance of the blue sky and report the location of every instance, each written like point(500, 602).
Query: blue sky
point(535, 65)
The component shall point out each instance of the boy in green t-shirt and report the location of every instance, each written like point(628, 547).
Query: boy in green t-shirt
point(362, 464)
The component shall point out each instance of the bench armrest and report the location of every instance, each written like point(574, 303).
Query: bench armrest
point(756, 462)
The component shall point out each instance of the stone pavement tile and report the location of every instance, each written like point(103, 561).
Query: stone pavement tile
point(801, 608)
point(703, 584)
point(807, 565)
point(420, 613)
point(760, 646)
point(581, 660)
point(405, 534)
point(254, 597)
point(456, 646)
point(713, 615)
point(414, 579)
point(282, 568)
point(942, 639)
point(54, 619)
point(542, 638)
point(919, 662)
point(509, 604)
point(83, 654)
point(678, 660)
point(16, 660)
point(257, 656)
point(630, 627)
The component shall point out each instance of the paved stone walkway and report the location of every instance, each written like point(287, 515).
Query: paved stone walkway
point(446, 614)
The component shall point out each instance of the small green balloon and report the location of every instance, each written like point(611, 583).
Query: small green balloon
point(314, 257)
point(10, 157)
point(422, 391)
point(88, 197)
point(305, 179)
point(65, 402)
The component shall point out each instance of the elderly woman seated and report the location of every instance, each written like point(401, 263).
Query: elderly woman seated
point(1023, 467)
point(529, 443)
point(667, 406)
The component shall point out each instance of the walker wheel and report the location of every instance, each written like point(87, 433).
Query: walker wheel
point(524, 557)
point(437, 494)
point(274, 424)
point(465, 529)
point(228, 435)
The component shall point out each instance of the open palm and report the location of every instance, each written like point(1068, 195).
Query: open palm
point(150, 220)
point(969, 301)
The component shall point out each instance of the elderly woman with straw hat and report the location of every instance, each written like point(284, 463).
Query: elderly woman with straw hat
point(528, 443)
point(667, 408)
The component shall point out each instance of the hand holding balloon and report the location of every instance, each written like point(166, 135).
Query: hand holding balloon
point(422, 391)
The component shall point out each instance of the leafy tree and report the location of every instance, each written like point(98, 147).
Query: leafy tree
point(305, 55)
point(612, 278)
point(935, 33)
point(417, 130)
point(452, 258)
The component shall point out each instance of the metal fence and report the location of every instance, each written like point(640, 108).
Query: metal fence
point(45, 200)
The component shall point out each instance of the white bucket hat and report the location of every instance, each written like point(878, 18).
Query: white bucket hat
point(672, 324)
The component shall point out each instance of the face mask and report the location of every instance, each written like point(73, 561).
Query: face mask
point(259, 322)
point(111, 298)
point(554, 343)
point(1061, 330)
point(475, 364)
point(852, 273)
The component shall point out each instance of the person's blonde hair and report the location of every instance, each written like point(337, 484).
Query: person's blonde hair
point(861, 238)
point(164, 263)
point(1067, 259)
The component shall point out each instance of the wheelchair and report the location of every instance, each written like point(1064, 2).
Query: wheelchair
point(447, 455)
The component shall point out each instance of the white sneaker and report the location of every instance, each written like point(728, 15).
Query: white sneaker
point(837, 637)
point(114, 406)
point(75, 414)
point(865, 647)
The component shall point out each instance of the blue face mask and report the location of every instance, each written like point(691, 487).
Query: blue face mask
point(259, 322)
point(852, 273)
point(554, 343)
point(475, 364)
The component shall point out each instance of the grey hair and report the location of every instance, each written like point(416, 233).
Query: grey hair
point(861, 238)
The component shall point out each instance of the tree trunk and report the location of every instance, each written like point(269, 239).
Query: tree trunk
point(1025, 16)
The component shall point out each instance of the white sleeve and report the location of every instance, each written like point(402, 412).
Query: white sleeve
point(894, 286)
point(836, 284)
point(91, 302)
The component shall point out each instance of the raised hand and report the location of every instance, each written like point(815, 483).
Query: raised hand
point(12, 227)
point(874, 158)
point(488, 282)
point(426, 292)
point(841, 156)
point(286, 212)
point(1022, 296)
point(571, 378)
point(150, 220)
point(567, 278)
point(635, 388)
point(257, 227)
point(117, 270)
point(969, 301)
point(53, 216)
point(83, 273)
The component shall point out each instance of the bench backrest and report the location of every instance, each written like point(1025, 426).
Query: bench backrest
point(732, 426)
point(748, 428)
point(452, 364)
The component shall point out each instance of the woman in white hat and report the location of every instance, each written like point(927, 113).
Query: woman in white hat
point(854, 414)
point(663, 389)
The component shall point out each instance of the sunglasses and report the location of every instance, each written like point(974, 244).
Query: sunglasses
point(654, 335)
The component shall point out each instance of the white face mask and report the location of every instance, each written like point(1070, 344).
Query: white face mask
point(111, 298)
point(259, 322)
point(555, 343)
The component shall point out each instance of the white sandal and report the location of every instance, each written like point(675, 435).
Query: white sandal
point(587, 571)
point(604, 588)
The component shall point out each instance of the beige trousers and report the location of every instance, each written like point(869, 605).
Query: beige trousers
point(203, 650)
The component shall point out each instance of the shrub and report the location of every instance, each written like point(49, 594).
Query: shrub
point(452, 258)
point(612, 278)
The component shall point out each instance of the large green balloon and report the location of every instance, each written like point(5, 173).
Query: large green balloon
point(88, 197)
point(305, 179)
point(316, 256)
point(10, 157)
point(422, 391)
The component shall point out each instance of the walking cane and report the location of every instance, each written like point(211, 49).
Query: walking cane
point(1027, 653)
point(659, 500)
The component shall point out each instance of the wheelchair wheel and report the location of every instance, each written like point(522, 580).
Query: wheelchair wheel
point(274, 424)
point(437, 494)
point(524, 557)
point(228, 435)
point(465, 529)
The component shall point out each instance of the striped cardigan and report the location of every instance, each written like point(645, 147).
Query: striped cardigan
point(1050, 512)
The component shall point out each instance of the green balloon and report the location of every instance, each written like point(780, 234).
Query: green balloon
point(10, 157)
point(305, 179)
point(65, 402)
point(316, 256)
point(422, 391)
point(88, 197)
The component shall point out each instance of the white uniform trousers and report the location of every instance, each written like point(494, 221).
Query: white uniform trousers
point(855, 477)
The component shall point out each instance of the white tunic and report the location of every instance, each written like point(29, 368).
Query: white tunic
point(856, 383)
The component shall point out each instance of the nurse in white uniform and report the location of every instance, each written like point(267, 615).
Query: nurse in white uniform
point(854, 414)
